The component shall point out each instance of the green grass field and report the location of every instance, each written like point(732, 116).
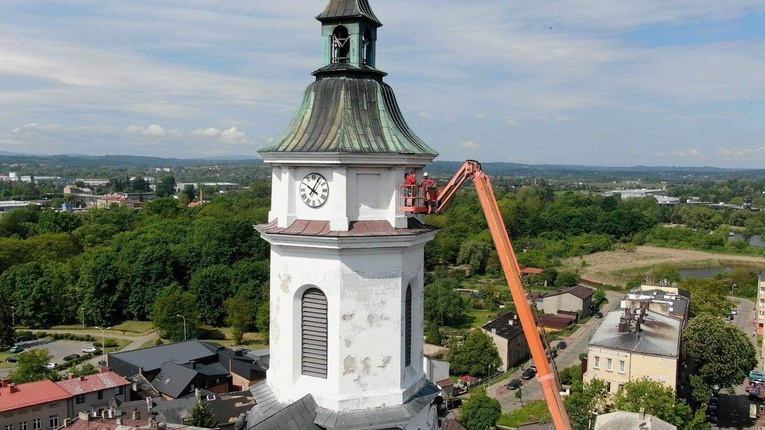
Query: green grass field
point(531, 412)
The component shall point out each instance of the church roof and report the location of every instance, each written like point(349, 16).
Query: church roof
point(338, 9)
point(349, 113)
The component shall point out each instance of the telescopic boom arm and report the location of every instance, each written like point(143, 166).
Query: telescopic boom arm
point(472, 170)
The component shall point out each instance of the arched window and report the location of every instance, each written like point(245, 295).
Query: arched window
point(368, 47)
point(313, 326)
point(341, 45)
point(408, 327)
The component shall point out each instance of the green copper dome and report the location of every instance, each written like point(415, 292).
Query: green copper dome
point(349, 109)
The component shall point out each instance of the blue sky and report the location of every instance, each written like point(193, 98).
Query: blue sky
point(611, 83)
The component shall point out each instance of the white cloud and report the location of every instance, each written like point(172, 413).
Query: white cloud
point(511, 122)
point(470, 144)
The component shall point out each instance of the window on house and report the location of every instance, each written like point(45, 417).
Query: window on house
point(408, 327)
point(118, 391)
point(621, 387)
point(80, 398)
point(621, 366)
point(23, 425)
point(596, 364)
point(9, 427)
point(314, 333)
point(100, 394)
point(36, 424)
point(609, 364)
point(53, 421)
point(608, 387)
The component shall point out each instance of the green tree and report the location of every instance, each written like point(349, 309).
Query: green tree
point(717, 354)
point(443, 303)
point(660, 401)
point(84, 370)
point(201, 415)
point(263, 320)
point(433, 333)
point(240, 315)
point(599, 297)
point(6, 323)
point(166, 186)
point(566, 279)
point(708, 296)
point(171, 303)
point(476, 356)
point(476, 254)
point(585, 402)
point(32, 367)
point(481, 412)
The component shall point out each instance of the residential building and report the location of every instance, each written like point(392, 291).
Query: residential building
point(40, 405)
point(635, 344)
point(621, 420)
point(572, 299)
point(177, 369)
point(507, 334)
point(119, 199)
point(660, 301)
point(93, 392)
point(760, 312)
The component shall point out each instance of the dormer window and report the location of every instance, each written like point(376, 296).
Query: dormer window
point(341, 45)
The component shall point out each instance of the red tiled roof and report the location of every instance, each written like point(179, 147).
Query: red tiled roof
point(92, 383)
point(357, 228)
point(29, 394)
point(531, 271)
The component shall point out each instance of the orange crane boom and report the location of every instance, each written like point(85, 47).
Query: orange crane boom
point(545, 375)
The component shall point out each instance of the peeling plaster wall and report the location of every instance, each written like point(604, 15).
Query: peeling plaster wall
point(365, 290)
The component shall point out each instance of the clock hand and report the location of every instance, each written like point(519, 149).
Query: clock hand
point(313, 189)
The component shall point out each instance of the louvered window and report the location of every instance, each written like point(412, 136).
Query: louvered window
point(314, 333)
point(408, 327)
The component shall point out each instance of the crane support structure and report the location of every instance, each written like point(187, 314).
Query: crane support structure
point(545, 375)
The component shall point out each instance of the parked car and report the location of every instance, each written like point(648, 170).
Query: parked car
point(730, 317)
point(598, 314)
point(51, 365)
point(756, 375)
point(71, 357)
point(734, 311)
point(562, 344)
point(12, 359)
point(15, 349)
point(514, 384)
point(529, 373)
point(89, 350)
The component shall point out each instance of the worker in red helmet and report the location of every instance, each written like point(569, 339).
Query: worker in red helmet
point(429, 191)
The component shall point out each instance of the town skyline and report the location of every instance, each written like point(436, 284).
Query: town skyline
point(556, 83)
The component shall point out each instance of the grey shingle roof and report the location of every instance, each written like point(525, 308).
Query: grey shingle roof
point(507, 326)
point(155, 357)
point(659, 335)
point(173, 379)
point(338, 9)
point(269, 414)
point(579, 291)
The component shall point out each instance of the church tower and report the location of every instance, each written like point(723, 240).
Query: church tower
point(347, 264)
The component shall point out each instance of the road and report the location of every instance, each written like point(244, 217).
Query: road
point(734, 405)
point(577, 344)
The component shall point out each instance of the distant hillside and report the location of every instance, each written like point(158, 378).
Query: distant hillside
point(441, 168)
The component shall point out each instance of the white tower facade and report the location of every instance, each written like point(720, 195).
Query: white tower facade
point(347, 265)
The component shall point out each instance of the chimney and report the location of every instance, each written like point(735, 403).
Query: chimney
point(493, 330)
point(193, 364)
point(85, 416)
point(119, 421)
point(6, 382)
point(71, 376)
point(642, 413)
point(82, 378)
point(12, 388)
point(109, 369)
point(136, 414)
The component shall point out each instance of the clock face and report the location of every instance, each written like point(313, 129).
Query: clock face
point(314, 190)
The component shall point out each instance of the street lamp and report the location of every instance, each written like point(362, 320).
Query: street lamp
point(103, 344)
point(13, 316)
point(184, 325)
point(83, 317)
